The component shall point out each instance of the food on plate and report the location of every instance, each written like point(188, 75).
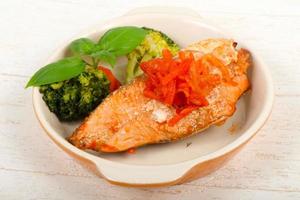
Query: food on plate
point(151, 47)
point(175, 98)
point(75, 98)
point(170, 93)
point(74, 86)
point(114, 82)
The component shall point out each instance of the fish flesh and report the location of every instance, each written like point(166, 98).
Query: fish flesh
point(127, 119)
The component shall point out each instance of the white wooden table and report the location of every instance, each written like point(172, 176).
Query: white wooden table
point(32, 167)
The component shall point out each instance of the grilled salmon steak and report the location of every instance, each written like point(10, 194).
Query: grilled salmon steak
point(128, 119)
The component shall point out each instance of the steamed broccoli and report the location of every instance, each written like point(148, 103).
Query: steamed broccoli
point(152, 46)
point(75, 98)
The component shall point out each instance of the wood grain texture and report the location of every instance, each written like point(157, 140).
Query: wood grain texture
point(32, 167)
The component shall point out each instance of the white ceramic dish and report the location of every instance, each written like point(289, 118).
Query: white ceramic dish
point(171, 163)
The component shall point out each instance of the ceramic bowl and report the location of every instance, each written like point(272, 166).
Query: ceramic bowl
point(185, 160)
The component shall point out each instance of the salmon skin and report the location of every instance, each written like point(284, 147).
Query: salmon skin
point(127, 119)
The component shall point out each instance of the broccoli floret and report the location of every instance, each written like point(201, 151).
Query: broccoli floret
point(151, 47)
point(75, 98)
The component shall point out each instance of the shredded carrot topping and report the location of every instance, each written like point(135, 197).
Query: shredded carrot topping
point(183, 82)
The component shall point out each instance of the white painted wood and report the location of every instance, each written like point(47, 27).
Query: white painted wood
point(32, 167)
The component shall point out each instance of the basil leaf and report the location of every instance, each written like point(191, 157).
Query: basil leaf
point(106, 56)
point(82, 46)
point(122, 40)
point(58, 71)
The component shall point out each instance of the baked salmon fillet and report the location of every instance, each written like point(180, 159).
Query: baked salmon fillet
point(127, 119)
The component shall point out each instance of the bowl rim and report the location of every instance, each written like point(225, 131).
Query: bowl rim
point(185, 165)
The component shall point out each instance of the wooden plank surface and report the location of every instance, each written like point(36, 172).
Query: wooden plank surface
point(32, 167)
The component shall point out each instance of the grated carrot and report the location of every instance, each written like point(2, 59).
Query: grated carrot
point(182, 82)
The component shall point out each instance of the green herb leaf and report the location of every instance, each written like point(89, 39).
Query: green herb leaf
point(115, 42)
point(122, 40)
point(58, 71)
point(82, 46)
point(106, 56)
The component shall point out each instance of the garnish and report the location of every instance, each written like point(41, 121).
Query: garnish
point(115, 42)
point(151, 47)
point(114, 83)
point(184, 82)
point(58, 71)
